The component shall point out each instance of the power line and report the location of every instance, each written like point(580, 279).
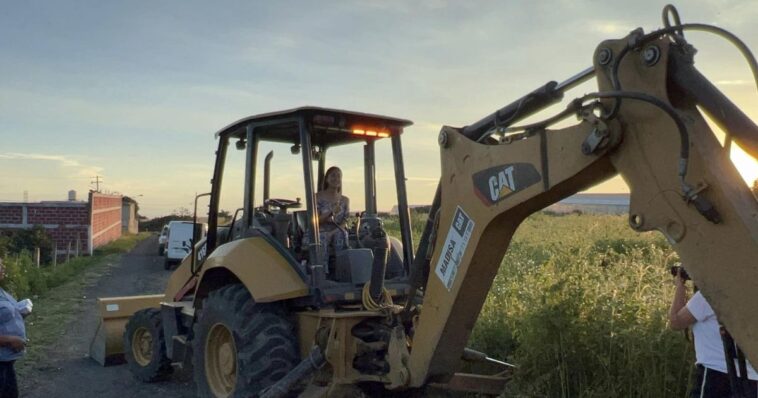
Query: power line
point(97, 180)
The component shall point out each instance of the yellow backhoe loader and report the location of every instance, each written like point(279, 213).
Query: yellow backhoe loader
point(258, 309)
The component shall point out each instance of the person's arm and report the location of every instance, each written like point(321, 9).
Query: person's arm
point(344, 212)
point(324, 212)
point(679, 316)
point(325, 216)
point(14, 342)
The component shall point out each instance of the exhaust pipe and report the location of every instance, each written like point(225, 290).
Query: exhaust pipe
point(267, 176)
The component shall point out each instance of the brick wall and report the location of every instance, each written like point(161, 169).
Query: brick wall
point(105, 211)
point(42, 214)
point(10, 214)
point(70, 237)
point(67, 223)
point(73, 226)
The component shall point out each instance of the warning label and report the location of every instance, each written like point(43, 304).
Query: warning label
point(455, 245)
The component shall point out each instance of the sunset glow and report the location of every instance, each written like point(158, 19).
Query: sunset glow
point(746, 165)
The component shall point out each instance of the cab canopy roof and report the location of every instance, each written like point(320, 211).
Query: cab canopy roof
point(328, 127)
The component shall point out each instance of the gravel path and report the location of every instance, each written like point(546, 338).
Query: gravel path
point(68, 370)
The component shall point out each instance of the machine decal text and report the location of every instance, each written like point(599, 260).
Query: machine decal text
point(455, 245)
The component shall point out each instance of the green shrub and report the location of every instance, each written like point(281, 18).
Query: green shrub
point(16, 241)
point(24, 279)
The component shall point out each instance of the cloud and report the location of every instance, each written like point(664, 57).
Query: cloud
point(614, 28)
point(401, 7)
point(735, 14)
point(162, 113)
point(73, 168)
point(36, 156)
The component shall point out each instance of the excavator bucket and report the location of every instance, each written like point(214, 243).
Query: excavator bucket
point(107, 347)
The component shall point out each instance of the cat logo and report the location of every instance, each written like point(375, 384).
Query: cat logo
point(497, 183)
point(502, 184)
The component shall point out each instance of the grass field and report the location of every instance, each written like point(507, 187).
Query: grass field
point(580, 305)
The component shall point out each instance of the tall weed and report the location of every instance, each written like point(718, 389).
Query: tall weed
point(580, 305)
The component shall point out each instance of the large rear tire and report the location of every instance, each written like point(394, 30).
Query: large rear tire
point(145, 346)
point(240, 347)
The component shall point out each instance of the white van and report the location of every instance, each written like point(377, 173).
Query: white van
point(162, 240)
point(179, 242)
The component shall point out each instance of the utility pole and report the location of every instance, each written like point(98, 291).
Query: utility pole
point(97, 180)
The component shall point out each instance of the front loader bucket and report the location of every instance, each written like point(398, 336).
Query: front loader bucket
point(107, 347)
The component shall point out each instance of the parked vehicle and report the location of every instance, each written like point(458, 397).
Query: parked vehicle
point(162, 239)
point(179, 240)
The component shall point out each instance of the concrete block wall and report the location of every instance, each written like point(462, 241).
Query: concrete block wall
point(129, 223)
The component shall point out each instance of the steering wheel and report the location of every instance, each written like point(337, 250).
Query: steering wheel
point(283, 204)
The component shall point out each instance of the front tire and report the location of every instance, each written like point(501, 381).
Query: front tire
point(240, 347)
point(145, 346)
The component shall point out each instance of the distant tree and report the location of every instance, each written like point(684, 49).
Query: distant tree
point(181, 212)
point(157, 223)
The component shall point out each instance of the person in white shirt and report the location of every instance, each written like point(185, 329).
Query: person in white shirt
point(711, 378)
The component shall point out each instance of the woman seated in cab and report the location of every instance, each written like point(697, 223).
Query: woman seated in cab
point(333, 211)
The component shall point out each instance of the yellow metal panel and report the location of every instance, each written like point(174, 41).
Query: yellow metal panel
point(179, 278)
point(107, 347)
point(124, 307)
point(260, 267)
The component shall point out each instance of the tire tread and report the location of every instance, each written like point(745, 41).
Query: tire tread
point(265, 339)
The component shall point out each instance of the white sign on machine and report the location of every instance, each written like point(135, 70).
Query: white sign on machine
point(455, 245)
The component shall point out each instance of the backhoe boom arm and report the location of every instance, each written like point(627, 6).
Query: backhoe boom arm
point(488, 190)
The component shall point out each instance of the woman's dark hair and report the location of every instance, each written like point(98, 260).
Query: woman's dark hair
point(326, 178)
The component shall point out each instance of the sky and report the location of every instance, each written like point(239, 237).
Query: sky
point(133, 92)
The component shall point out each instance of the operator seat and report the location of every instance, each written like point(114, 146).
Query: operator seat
point(297, 232)
point(280, 224)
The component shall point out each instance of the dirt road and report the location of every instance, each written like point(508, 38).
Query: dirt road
point(67, 370)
